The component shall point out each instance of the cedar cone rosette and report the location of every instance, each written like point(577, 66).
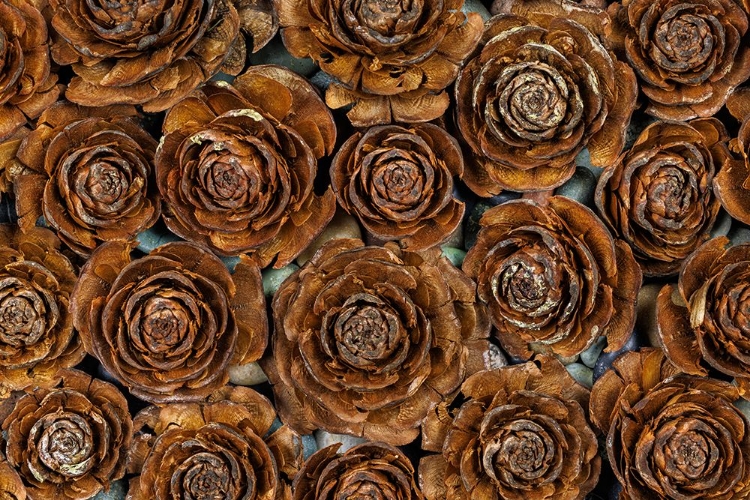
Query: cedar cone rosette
point(392, 60)
point(398, 182)
point(369, 470)
point(671, 435)
point(36, 328)
point(92, 170)
point(688, 55)
point(659, 195)
point(732, 184)
point(543, 87)
point(522, 433)
point(236, 168)
point(705, 320)
point(154, 53)
point(553, 277)
point(222, 449)
point(369, 339)
point(27, 85)
point(68, 439)
point(168, 325)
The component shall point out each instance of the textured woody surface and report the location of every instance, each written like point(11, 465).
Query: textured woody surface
point(399, 182)
point(92, 169)
point(36, 327)
point(671, 436)
point(659, 195)
point(706, 318)
point(553, 277)
point(152, 53)
point(522, 433)
point(27, 84)
point(369, 470)
point(688, 55)
point(67, 439)
point(236, 168)
point(168, 325)
point(369, 339)
point(543, 87)
point(392, 60)
point(732, 184)
point(221, 449)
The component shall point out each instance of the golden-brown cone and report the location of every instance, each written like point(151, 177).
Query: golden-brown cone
point(689, 55)
point(369, 339)
point(398, 182)
point(66, 439)
point(152, 54)
point(369, 470)
point(218, 449)
point(671, 435)
point(392, 62)
point(27, 83)
point(36, 328)
point(542, 87)
point(168, 325)
point(11, 485)
point(88, 171)
point(522, 433)
point(553, 277)
point(659, 197)
point(236, 168)
point(732, 184)
point(703, 322)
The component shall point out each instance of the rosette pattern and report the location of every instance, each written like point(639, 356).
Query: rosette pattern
point(553, 277)
point(69, 439)
point(167, 325)
point(27, 84)
point(36, 328)
point(152, 54)
point(92, 169)
point(236, 168)
point(659, 195)
point(689, 55)
point(218, 450)
point(732, 184)
point(369, 339)
point(542, 87)
point(391, 59)
point(675, 437)
point(399, 183)
point(706, 318)
point(521, 433)
point(369, 470)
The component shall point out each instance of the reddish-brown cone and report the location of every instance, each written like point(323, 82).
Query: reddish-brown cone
point(168, 325)
point(399, 183)
point(553, 277)
point(236, 167)
point(67, 439)
point(522, 433)
point(369, 339)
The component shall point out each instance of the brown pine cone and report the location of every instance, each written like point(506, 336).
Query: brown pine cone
point(522, 433)
point(236, 168)
point(168, 325)
point(369, 339)
point(217, 450)
point(553, 277)
point(89, 172)
point(68, 439)
point(36, 328)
